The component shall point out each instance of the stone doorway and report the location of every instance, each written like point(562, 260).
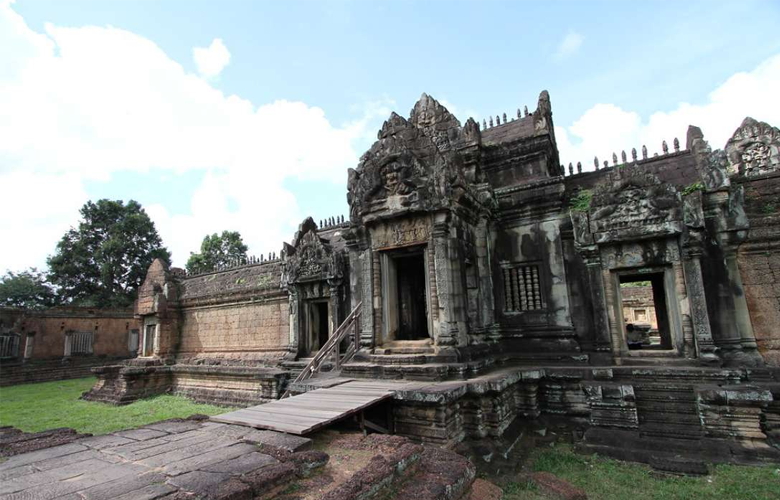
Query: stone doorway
point(645, 312)
point(405, 295)
point(412, 310)
point(317, 325)
point(149, 340)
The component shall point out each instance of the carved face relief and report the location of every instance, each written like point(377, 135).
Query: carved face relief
point(756, 158)
point(754, 149)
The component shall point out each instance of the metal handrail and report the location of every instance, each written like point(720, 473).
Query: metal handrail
point(331, 347)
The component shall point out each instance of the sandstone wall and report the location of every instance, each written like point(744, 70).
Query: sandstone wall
point(111, 329)
point(238, 331)
point(759, 262)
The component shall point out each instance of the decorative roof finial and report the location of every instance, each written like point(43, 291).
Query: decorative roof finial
point(525, 110)
point(665, 148)
point(498, 120)
point(579, 167)
point(484, 124)
point(571, 169)
point(614, 159)
point(676, 145)
point(623, 156)
point(504, 117)
point(644, 152)
point(518, 113)
point(633, 154)
point(606, 164)
point(596, 162)
point(491, 121)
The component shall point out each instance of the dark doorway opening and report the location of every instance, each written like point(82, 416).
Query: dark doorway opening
point(318, 325)
point(645, 312)
point(412, 302)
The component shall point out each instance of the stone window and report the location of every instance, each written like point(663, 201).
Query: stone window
point(9, 345)
point(28, 346)
point(522, 289)
point(81, 342)
point(133, 340)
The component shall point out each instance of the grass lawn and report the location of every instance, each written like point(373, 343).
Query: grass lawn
point(605, 479)
point(48, 405)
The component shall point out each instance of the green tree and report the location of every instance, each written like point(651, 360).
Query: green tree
point(217, 250)
point(28, 289)
point(104, 261)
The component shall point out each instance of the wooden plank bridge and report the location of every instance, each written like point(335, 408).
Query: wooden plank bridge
point(316, 409)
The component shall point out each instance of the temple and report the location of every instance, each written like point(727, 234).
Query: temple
point(636, 303)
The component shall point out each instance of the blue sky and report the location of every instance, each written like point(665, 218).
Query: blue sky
point(107, 99)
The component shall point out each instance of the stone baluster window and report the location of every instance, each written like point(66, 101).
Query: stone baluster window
point(81, 343)
point(522, 289)
point(9, 345)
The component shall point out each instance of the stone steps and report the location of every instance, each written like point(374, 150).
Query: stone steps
point(668, 411)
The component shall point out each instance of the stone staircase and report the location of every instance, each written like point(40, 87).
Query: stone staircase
point(668, 411)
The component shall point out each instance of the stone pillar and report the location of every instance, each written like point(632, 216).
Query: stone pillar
point(366, 269)
point(612, 314)
point(447, 333)
point(335, 306)
point(683, 311)
point(705, 347)
point(485, 274)
point(602, 341)
point(295, 323)
point(747, 338)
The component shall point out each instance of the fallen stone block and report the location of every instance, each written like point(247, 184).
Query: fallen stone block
point(485, 490)
point(553, 486)
point(268, 480)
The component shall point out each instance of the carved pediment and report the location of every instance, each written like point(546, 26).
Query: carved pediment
point(309, 258)
point(754, 149)
point(415, 165)
point(633, 203)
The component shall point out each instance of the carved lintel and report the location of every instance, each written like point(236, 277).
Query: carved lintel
point(634, 204)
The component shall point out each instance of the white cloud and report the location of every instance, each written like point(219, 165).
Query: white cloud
point(606, 128)
point(83, 103)
point(35, 211)
point(569, 46)
point(211, 60)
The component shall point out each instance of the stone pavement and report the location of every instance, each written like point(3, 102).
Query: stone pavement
point(167, 460)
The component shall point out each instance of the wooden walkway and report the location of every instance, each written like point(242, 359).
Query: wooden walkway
point(315, 409)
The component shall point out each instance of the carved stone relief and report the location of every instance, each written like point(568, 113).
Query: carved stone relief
point(633, 203)
point(401, 232)
point(310, 258)
point(754, 149)
point(415, 165)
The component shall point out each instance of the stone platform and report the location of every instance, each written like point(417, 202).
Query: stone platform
point(638, 413)
point(218, 384)
point(160, 461)
point(186, 459)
